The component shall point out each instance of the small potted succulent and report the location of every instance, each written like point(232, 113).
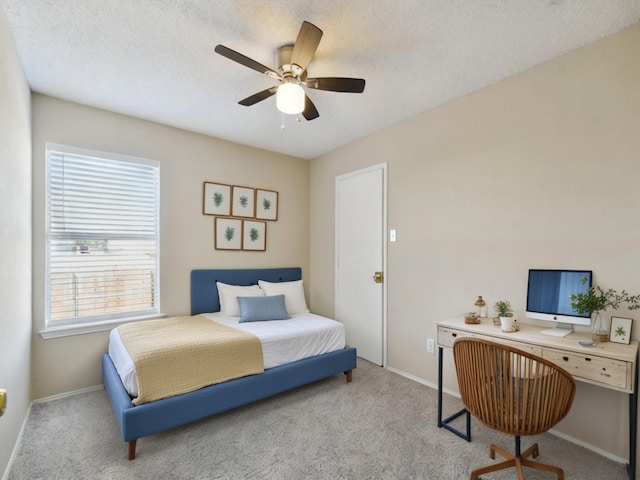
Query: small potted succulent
point(503, 308)
point(505, 312)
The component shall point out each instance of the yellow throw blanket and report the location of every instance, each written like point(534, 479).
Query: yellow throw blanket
point(181, 354)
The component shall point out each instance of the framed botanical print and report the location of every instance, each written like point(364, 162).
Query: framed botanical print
point(216, 199)
point(243, 199)
point(266, 204)
point(228, 233)
point(620, 330)
point(254, 235)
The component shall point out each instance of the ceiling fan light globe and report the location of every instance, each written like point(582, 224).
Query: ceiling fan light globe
point(290, 98)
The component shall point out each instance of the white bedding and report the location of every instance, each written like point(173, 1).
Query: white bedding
point(283, 341)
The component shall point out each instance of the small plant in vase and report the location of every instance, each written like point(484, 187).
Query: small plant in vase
point(594, 300)
point(505, 312)
point(503, 308)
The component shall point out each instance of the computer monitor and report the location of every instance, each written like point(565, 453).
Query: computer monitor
point(548, 298)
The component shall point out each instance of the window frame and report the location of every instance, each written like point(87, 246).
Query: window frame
point(101, 322)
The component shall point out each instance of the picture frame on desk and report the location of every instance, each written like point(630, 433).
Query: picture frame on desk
point(620, 330)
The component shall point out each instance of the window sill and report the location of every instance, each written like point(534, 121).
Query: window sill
point(68, 330)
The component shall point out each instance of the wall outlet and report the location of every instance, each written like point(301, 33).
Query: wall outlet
point(431, 345)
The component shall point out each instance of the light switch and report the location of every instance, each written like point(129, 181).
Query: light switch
point(392, 235)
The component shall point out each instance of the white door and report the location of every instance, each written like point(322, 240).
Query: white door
point(360, 256)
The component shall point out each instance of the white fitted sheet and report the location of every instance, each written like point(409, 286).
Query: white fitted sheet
point(304, 335)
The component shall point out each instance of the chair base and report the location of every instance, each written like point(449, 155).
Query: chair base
point(517, 462)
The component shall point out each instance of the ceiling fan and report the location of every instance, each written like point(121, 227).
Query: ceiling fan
point(292, 62)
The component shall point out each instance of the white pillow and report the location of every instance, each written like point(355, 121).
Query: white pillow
point(228, 295)
point(293, 294)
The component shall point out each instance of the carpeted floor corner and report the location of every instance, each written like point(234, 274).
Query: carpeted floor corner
point(381, 426)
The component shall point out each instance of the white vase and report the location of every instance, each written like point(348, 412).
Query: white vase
point(507, 324)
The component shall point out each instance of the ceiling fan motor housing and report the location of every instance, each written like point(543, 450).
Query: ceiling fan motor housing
point(283, 61)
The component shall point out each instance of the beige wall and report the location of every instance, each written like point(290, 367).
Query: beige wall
point(539, 170)
point(15, 243)
point(186, 161)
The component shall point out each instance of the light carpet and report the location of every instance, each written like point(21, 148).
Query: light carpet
point(381, 426)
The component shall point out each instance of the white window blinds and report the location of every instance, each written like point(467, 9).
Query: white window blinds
point(103, 236)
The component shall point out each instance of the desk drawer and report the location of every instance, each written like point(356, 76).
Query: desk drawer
point(446, 337)
point(598, 369)
point(526, 347)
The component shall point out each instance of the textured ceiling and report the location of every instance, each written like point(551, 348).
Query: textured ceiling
point(155, 59)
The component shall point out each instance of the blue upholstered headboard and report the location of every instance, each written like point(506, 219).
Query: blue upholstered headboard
point(204, 293)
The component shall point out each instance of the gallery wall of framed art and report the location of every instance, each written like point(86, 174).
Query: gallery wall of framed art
point(241, 215)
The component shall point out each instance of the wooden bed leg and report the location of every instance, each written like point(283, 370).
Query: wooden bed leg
point(349, 375)
point(132, 449)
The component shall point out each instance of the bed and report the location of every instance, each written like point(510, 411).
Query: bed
point(137, 421)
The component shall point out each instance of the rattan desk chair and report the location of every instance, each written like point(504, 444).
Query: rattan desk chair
point(514, 392)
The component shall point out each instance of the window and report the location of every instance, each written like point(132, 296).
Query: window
point(102, 237)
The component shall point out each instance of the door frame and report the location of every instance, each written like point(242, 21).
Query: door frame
point(380, 166)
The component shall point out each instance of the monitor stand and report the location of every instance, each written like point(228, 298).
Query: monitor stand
point(561, 330)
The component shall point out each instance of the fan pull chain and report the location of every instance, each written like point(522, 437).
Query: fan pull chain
point(282, 124)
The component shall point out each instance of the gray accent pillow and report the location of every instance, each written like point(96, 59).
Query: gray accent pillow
point(259, 309)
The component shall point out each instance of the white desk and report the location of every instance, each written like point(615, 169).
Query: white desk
point(608, 365)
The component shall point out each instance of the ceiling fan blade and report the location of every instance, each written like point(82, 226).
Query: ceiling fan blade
point(337, 84)
point(258, 97)
point(310, 111)
point(246, 61)
point(305, 47)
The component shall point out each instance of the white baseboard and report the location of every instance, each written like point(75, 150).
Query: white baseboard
point(423, 382)
point(593, 448)
point(68, 394)
point(14, 453)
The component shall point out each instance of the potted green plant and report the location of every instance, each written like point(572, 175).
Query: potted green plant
point(503, 308)
point(505, 312)
point(596, 299)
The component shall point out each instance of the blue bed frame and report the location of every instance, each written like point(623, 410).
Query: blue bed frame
point(154, 417)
